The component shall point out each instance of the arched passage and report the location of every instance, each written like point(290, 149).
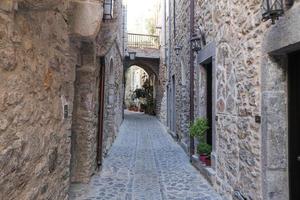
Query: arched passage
point(140, 89)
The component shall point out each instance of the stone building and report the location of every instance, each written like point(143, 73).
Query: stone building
point(245, 84)
point(58, 60)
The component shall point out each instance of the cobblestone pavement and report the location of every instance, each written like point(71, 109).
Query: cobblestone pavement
point(145, 164)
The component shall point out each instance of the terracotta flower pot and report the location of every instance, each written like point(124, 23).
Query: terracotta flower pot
point(202, 157)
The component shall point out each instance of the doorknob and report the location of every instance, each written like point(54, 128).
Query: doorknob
point(298, 158)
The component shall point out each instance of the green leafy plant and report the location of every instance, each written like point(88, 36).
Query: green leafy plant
point(139, 93)
point(204, 148)
point(198, 128)
point(146, 92)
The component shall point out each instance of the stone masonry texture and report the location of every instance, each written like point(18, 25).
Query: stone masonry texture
point(36, 82)
point(250, 82)
point(145, 163)
point(49, 72)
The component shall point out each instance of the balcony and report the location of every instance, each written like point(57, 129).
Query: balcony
point(143, 41)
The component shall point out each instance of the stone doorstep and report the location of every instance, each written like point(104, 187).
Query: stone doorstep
point(208, 172)
point(181, 144)
point(172, 133)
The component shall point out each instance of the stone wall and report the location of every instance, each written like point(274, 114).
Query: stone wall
point(240, 57)
point(274, 102)
point(244, 75)
point(236, 28)
point(162, 93)
point(45, 68)
point(107, 46)
point(177, 30)
point(85, 115)
point(114, 93)
point(110, 45)
point(37, 73)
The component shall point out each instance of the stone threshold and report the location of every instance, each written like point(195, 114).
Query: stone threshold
point(175, 137)
point(208, 172)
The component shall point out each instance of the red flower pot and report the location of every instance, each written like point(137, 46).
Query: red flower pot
point(202, 157)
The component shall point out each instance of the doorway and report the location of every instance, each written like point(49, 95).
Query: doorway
point(294, 124)
point(209, 107)
point(173, 105)
point(101, 112)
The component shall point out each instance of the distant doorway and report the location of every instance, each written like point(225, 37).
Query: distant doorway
point(140, 90)
point(173, 105)
point(294, 124)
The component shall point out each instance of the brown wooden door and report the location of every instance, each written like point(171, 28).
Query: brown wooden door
point(101, 112)
point(294, 125)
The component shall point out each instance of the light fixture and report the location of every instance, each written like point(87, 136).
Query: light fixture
point(177, 49)
point(198, 40)
point(132, 55)
point(272, 9)
point(108, 9)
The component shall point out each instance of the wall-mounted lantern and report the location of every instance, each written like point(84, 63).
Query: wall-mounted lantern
point(132, 55)
point(108, 9)
point(198, 40)
point(177, 49)
point(272, 9)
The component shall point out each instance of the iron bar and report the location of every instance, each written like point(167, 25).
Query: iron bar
point(143, 41)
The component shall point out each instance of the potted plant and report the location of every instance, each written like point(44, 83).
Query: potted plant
point(204, 151)
point(198, 129)
point(208, 160)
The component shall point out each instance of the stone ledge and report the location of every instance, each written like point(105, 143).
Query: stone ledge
point(181, 144)
point(285, 32)
point(174, 136)
point(208, 172)
point(85, 18)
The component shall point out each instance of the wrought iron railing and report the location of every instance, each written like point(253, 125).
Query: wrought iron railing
point(143, 41)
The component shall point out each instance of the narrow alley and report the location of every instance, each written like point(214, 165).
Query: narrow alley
point(149, 99)
point(145, 163)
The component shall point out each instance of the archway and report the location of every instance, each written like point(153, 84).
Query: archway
point(140, 89)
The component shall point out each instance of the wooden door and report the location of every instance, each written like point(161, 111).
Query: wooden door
point(294, 125)
point(101, 112)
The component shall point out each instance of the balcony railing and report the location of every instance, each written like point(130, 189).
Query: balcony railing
point(143, 41)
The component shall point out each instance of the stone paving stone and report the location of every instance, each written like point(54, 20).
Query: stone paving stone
point(145, 164)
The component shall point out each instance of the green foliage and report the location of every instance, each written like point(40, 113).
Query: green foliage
point(204, 148)
point(150, 101)
point(198, 128)
point(146, 92)
point(139, 93)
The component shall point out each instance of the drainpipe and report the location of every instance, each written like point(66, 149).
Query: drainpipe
point(165, 32)
point(192, 7)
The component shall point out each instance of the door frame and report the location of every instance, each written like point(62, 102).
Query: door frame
point(101, 99)
point(208, 55)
